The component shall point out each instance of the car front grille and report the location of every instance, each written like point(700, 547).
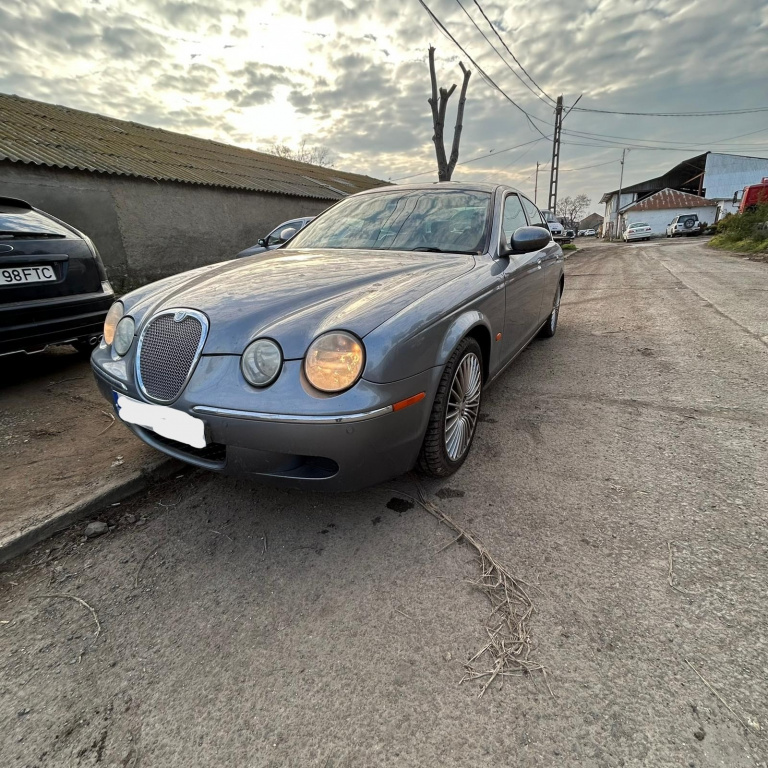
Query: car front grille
point(169, 347)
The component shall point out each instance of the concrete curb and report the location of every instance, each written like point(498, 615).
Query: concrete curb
point(18, 543)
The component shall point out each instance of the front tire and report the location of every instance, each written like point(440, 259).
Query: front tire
point(549, 329)
point(453, 420)
point(84, 347)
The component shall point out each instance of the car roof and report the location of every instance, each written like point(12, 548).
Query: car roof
point(458, 186)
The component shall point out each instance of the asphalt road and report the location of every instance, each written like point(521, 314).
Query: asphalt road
point(619, 469)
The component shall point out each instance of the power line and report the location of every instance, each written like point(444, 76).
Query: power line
point(508, 65)
point(511, 162)
point(475, 159)
point(491, 25)
point(584, 167)
point(588, 134)
point(674, 114)
point(607, 144)
point(482, 72)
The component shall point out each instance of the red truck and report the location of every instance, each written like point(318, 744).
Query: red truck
point(752, 196)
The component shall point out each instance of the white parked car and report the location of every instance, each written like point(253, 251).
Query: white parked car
point(637, 231)
point(555, 227)
point(589, 233)
point(686, 224)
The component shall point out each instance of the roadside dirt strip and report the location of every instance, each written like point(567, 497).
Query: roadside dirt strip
point(62, 453)
point(618, 475)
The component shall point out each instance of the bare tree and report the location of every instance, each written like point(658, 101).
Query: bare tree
point(573, 208)
point(317, 155)
point(439, 105)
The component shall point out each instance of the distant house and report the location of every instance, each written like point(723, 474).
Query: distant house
point(155, 202)
point(659, 209)
point(593, 221)
point(713, 175)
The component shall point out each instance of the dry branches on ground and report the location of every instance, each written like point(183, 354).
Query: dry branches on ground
point(752, 724)
point(508, 650)
point(64, 596)
point(144, 562)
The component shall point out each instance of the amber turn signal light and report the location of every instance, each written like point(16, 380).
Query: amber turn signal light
point(409, 401)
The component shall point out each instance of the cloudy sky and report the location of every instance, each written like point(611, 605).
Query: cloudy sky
point(352, 75)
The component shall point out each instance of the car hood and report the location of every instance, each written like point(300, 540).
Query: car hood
point(294, 295)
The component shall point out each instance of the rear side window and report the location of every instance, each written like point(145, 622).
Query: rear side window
point(534, 214)
point(18, 221)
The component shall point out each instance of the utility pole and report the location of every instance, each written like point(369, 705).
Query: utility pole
point(618, 203)
point(554, 172)
point(536, 186)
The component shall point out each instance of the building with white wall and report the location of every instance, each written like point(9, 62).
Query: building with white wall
point(713, 175)
point(658, 210)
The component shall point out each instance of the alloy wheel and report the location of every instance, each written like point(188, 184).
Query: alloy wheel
point(463, 405)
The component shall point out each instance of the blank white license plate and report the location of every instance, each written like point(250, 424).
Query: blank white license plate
point(165, 421)
point(14, 275)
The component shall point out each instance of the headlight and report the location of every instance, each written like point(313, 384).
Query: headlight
point(334, 361)
point(124, 335)
point(111, 321)
point(261, 362)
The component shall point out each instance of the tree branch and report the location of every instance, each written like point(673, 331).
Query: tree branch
point(439, 105)
point(459, 121)
point(438, 119)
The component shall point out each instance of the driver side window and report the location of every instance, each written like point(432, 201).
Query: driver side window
point(512, 218)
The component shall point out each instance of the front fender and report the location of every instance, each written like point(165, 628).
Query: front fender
point(458, 330)
point(431, 347)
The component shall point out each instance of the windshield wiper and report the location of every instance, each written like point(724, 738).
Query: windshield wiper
point(6, 234)
point(432, 249)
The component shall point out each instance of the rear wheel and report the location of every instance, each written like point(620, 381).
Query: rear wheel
point(452, 422)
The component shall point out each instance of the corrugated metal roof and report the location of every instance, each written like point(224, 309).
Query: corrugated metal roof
point(669, 198)
point(49, 134)
point(684, 174)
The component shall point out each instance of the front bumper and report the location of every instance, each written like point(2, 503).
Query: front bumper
point(31, 326)
point(324, 449)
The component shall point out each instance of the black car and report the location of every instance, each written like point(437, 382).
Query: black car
point(276, 237)
point(53, 285)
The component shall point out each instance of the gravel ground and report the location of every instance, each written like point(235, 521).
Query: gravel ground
point(619, 470)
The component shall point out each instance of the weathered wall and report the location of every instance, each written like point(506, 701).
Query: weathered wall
point(658, 220)
point(145, 229)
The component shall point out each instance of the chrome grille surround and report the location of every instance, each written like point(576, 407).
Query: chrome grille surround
point(169, 347)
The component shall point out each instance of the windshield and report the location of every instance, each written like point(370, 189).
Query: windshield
point(439, 220)
point(18, 221)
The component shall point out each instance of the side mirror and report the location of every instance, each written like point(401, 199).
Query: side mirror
point(261, 242)
point(527, 239)
point(287, 233)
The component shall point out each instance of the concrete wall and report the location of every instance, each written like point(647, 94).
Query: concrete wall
point(145, 229)
point(726, 174)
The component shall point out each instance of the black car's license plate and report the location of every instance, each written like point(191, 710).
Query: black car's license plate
point(33, 274)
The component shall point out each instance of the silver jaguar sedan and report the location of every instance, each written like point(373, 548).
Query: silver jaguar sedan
point(357, 351)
